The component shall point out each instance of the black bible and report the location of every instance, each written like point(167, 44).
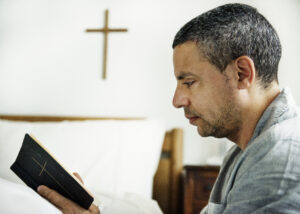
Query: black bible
point(36, 166)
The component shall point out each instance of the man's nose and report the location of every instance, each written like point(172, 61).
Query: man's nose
point(180, 99)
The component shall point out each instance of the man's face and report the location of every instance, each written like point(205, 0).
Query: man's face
point(206, 94)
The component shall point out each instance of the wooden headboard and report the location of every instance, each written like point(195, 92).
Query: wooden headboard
point(166, 184)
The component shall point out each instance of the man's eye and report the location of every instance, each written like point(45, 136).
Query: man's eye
point(189, 83)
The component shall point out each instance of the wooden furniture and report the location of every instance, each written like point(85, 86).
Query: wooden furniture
point(166, 189)
point(197, 185)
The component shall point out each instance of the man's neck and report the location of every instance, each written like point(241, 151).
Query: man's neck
point(260, 101)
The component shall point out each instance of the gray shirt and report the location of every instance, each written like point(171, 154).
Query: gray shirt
point(265, 177)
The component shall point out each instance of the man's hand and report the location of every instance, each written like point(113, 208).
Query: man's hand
point(63, 204)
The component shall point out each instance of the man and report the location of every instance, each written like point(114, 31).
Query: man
point(226, 62)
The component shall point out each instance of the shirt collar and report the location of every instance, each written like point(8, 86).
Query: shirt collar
point(273, 113)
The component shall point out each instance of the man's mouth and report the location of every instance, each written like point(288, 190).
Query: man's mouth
point(192, 119)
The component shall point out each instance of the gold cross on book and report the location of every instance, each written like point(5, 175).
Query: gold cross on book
point(49, 174)
point(43, 168)
point(106, 30)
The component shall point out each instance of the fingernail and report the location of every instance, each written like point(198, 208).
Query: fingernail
point(40, 188)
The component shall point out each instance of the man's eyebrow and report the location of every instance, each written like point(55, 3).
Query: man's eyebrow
point(183, 75)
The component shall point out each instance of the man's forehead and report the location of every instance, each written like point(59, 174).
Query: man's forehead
point(187, 61)
point(187, 53)
point(185, 48)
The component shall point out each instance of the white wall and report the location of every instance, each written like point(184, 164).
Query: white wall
point(49, 65)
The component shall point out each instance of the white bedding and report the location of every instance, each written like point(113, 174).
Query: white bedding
point(18, 198)
point(116, 159)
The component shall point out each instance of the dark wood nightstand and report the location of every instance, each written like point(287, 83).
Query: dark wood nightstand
point(197, 185)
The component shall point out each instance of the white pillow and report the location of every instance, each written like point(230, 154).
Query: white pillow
point(16, 198)
point(113, 157)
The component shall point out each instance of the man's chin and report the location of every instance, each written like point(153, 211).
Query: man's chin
point(205, 132)
point(210, 133)
point(201, 132)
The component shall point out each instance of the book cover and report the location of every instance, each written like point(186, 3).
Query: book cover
point(36, 166)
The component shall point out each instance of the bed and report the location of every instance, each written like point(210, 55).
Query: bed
point(131, 165)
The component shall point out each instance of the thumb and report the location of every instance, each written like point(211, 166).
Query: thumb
point(78, 176)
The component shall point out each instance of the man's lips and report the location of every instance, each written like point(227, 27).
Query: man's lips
point(192, 119)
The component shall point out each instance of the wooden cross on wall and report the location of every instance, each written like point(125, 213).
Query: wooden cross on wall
point(106, 30)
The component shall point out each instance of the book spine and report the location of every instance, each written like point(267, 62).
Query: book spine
point(16, 168)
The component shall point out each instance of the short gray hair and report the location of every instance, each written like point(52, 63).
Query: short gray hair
point(233, 30)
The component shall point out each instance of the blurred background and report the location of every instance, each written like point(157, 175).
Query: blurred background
point(49, 65)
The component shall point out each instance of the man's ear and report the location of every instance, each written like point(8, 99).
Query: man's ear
point(246, 72)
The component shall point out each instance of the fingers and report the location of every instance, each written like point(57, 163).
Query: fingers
point(93, 209)
point(78, 176)
point(54, 197)
point(65, 205)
